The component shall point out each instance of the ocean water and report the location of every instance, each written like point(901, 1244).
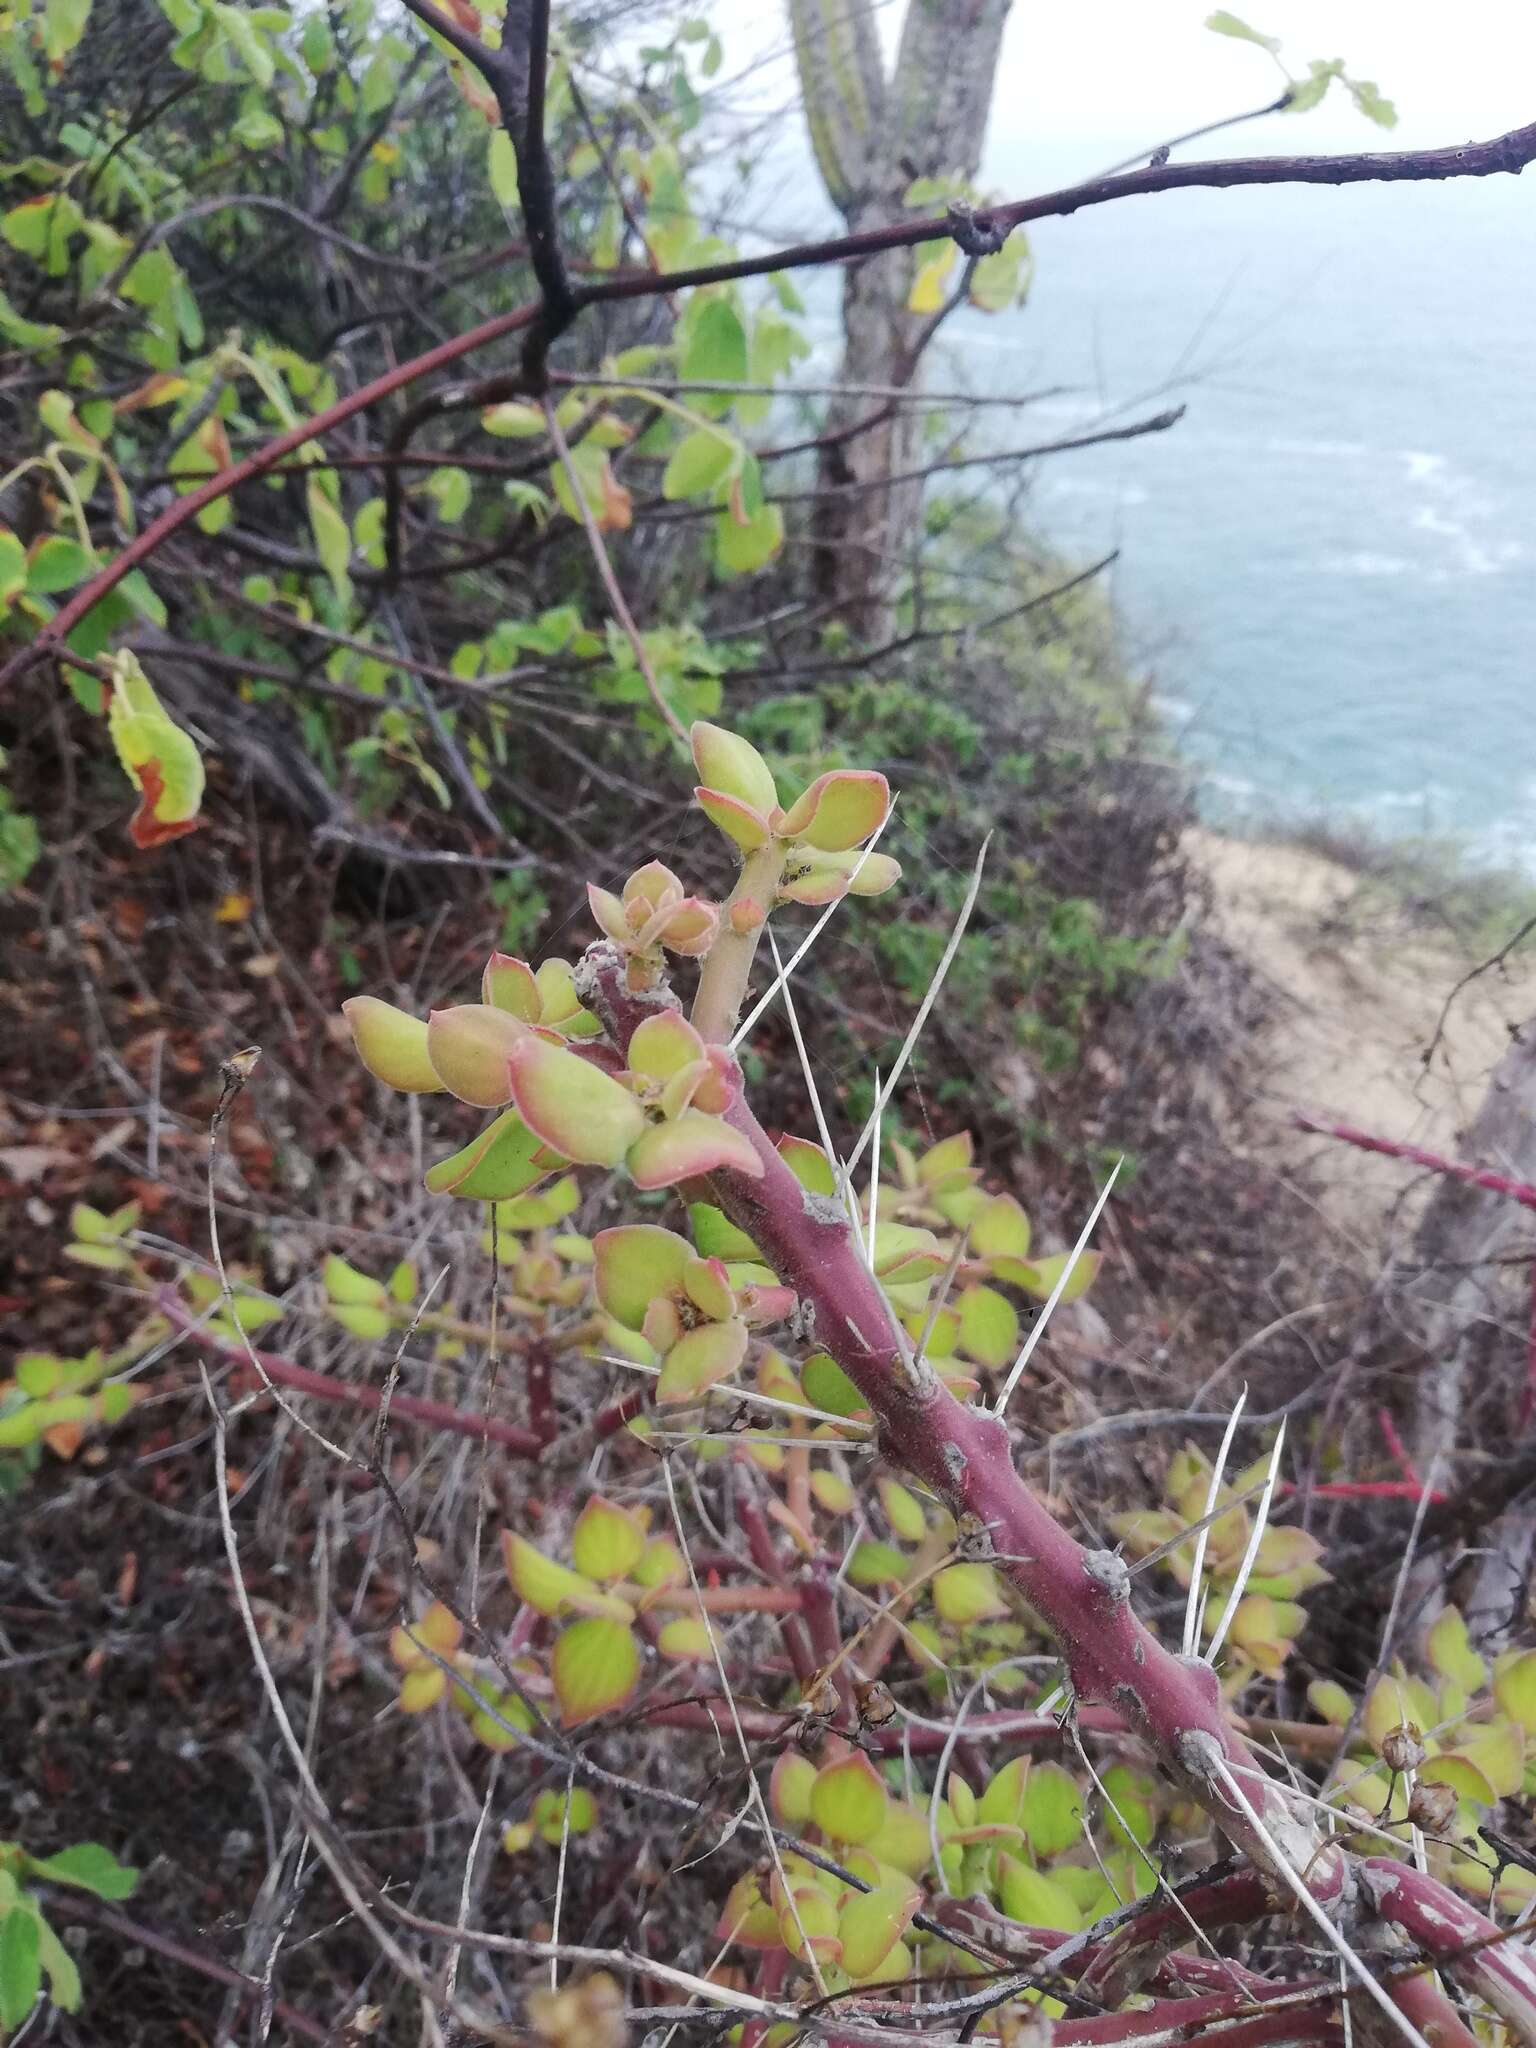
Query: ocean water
point(1328, 567)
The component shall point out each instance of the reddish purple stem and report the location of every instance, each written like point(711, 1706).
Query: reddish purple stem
point(1520, 1191)
point(286, 1372)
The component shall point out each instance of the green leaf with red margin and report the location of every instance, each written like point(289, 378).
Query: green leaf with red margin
point(691, 1145)
point(809, 1164)
point(849, 1799)
point(1000, 1230)
point(840, 810)
point(742, 825)
point(573, 1105)
point(505, 1160)
point(989, 1326)
point(595, 1668)
point(392, 1045)
point(663, 1044)
point(870, 1925)
point(1039, 1277)
point(636, 1264)
point(608, 1541)
point(700, 1358)
point(470, 1046)
point(733, 766)
point(551, 1588)
point(789, 1788)
point(510, 984)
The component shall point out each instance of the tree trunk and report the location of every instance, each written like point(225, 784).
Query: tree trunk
point(1471, 1292)
point(873, 133)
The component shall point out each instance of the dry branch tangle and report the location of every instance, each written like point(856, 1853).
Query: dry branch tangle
point(1083, 1597)
point(1504, 154)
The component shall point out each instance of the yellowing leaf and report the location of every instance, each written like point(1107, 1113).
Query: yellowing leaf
point(159, 759)
point(1052, 1810)
point(849, 1799)
point(1030, 1896)
point(869, 1927)
point(332, 536)
point(1514, 1687)
point(607, 1541)
point(964, 1593)
point(551, 1588)
point(928, 287)
point(595, 1667)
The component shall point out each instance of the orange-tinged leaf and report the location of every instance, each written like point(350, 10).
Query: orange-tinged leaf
point(437, 1628)
point(808, 1924)
point(234, 908)
point(747, 1917)
point(161, 389)
point(595, 1668)
point(690, 928)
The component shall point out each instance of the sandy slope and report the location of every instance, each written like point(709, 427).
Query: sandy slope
point(1357, 1000)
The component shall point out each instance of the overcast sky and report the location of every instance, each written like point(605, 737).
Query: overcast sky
point(1079, 74)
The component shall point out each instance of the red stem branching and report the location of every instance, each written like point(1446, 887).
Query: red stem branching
point(963, 1455)
point(286, 1372)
